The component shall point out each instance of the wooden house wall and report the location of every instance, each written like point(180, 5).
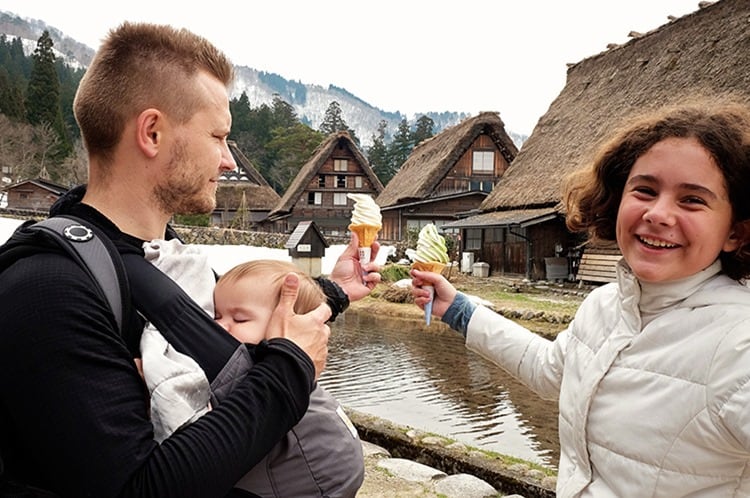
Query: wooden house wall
point(391, 226)
point(395, 221)
point(30, 196)
point(224, 217)
point(459, 178)
point(331, 218)
point(506, 251)
point(545, 239)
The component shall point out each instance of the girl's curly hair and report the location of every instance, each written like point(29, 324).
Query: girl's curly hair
point(722, 125)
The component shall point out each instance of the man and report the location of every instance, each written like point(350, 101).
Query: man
point(153, 110)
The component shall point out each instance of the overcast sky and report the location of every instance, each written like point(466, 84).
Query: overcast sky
point(411, 56)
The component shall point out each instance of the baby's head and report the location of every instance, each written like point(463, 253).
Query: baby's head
point(246, 296)
point(720, 125)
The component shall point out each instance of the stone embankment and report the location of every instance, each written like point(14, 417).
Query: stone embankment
point(416, 462)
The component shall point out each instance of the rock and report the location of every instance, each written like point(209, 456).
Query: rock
point(370, 449)
point(410, 470)
point(464, 486)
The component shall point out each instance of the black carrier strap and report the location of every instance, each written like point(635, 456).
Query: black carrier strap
point(89, 250)
point(183, 323)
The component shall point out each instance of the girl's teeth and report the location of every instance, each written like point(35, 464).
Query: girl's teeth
point(657, 243)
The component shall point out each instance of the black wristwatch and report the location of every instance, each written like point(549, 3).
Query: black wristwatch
point(337, 299)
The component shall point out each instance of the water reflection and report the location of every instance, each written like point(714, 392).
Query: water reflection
point(424, 377)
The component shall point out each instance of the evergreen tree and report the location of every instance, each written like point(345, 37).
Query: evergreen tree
point(69, 79)
point(43, 95)
point(333, 122)
point(424, 129)
point(11, 97)
point(284, 115)
point(240, 110)
point(401, 146)
point(378, 155)
point(290, 149)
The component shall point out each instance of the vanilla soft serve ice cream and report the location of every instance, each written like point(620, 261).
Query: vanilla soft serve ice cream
point(366, 222)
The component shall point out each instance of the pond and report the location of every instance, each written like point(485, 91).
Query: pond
point(424, 377)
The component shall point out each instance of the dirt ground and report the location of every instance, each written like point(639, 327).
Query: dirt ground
point(380, 484)
point(535, 301)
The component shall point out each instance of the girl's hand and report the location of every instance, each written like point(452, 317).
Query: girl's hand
point(445, 293)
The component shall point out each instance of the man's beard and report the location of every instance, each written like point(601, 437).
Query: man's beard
point(180, 192)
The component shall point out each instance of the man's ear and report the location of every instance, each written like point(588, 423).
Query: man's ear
point(148, 131)
point(738, 237)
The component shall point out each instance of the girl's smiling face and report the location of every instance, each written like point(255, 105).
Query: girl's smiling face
point(674, 217)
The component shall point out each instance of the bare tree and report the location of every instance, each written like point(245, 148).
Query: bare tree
point(75, 169)
point(25, 150)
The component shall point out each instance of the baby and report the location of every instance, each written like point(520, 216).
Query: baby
point(322, 454)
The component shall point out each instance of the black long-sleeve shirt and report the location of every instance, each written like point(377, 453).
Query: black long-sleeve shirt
point(74, 414)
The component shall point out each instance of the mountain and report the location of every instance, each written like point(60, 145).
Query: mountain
point(309, 101)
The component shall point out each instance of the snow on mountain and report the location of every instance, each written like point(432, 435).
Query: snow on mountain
point(309, 101)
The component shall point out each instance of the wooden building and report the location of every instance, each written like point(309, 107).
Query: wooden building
point(318, 192)
point(705, 52)
point(243, 198)
point(34, 195)
point(307, 247)
point(450, 173)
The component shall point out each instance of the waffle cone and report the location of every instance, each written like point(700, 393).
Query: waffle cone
point(366, 233)
point(432, 266)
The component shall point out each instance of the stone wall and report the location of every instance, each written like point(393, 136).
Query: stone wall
point(441, 453)
point(228, 236)
point(201, 235)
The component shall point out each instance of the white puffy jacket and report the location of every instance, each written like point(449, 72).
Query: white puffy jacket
point(653, 385)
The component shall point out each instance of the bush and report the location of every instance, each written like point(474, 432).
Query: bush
point(195, 220)
point(394, 272)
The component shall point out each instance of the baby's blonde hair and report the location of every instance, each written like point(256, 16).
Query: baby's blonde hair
point(271, 273)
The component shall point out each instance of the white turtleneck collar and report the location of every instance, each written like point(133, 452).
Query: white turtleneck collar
point(655, 297)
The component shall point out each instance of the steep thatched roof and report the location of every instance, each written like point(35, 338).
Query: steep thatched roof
point(431, 160)
point(311, 168)
point(259, 196)
point(245, 171)
point(705, 51)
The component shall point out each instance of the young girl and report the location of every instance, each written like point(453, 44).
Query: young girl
point(652, 374)
point(322, 454)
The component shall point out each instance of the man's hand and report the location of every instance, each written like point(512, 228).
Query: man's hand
point(356, 279)
point(308, 331)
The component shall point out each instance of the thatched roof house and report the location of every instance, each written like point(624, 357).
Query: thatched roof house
point(707, 51)
point(243, 197)
point(318, 192)
point(447, 174)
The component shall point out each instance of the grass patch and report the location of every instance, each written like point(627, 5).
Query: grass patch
point(394, 272)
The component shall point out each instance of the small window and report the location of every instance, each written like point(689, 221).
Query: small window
point(357, 182)
point(483, 161)
point(496, 234)
point(321, 181)
point(315, 198)
point(340, 181)
point(339, 199)
point(340, 165)
point(473, 239)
